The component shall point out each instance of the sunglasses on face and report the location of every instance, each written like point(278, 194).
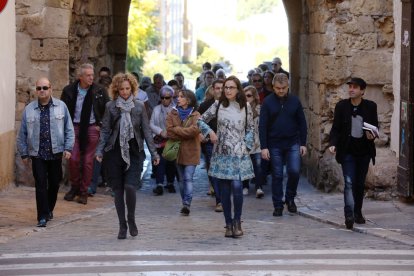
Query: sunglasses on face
point(257, 80)
point(249, 96)
point(165, 98)
point(38, 88)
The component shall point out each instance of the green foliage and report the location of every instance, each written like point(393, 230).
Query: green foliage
point(142, 34)
point(208, 54)
point(246, 8)
point(167, 65)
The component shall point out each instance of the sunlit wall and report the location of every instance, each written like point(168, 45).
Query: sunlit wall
point(7, 92)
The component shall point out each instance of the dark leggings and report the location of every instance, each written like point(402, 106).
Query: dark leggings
point(130, 200)
point(123, 182)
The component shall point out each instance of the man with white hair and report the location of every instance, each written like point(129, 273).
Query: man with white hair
point(86, 103)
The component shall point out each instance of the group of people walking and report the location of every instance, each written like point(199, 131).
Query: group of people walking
point(243, 131)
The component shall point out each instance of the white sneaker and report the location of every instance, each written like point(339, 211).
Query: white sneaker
point(245, 191)
point(259, 193)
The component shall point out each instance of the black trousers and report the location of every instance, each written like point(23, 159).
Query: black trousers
point(47, 175)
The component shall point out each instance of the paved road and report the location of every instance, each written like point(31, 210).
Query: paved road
point(171, 244)
point(285, 262)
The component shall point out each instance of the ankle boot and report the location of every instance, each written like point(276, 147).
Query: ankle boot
point(237, 229)
point(133, 230)
point(122, 231)
point(73, 192)
point(83, 198)
point(229, 231)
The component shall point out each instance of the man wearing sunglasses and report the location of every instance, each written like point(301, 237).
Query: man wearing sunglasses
point(86, 103)
point(354, 147)
point(46, 135)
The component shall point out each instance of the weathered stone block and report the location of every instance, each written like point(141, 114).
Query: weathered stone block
point(371, 7)
point(49, 49)
point(59, 75)
point(318, 20)
point(64, 4)
point(29, 6)
point(314, 130)
point(373, 66)
point(50, 23)
point(19, 110)
point(23, 52)
point(383, 176)
point(323, 44)
point(347, 44)
point(329, 173)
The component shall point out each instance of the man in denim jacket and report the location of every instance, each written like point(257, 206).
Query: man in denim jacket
point(46, 135)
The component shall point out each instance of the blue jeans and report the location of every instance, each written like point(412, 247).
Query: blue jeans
point(227, 186)
point(279, 157)
point(95, 177)
point(354, 169)
point(186, 174)
point(257, 168)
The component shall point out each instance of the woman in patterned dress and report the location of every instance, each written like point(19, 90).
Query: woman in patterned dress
point(230, 161)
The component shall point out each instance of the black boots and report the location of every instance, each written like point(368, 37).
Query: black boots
point(133, 230)
point(73, 192)
point(122, 231)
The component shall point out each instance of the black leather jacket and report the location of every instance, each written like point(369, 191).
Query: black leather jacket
point(70, 94)
point(110, 129)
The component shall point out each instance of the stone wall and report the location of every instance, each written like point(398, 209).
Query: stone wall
point(88, 34)
point(7, 94)
point(346, 39)
point(42, 50)
point(54, 37)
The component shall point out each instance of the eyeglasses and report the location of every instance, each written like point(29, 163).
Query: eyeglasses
point(230, 87)
point(38, 88)
point(256, 80)
point(249, 96)
point(165, 98)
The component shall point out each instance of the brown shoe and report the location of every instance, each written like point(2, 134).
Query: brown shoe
point(83, 198)
point(229, 231)
point(238, 232)
point(73, 192)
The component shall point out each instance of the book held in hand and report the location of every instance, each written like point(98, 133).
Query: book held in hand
point(371, 128)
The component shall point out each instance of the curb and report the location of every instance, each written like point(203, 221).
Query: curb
point(307, 212)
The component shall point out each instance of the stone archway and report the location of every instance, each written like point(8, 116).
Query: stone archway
point(332, 41)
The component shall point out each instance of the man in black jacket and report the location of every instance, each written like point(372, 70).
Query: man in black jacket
point(354, 147)
point(86, 103)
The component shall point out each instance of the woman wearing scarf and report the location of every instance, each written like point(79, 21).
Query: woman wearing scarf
point(121, 143)
point(159, 130)
point(182, 125)
point(230, 162)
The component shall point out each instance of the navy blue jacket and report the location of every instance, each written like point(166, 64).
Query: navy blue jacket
point(282, 122)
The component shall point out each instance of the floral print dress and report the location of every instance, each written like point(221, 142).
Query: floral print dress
point(230, 158)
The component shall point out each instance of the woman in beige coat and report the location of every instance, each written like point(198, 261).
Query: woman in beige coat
point(182, 125)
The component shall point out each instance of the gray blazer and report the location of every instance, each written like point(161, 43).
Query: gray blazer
point(110, 128)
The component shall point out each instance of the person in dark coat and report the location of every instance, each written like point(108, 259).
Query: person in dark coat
point(354, 147)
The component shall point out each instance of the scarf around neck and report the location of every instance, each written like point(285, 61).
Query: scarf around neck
point(184, 113)
point(126, 130)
